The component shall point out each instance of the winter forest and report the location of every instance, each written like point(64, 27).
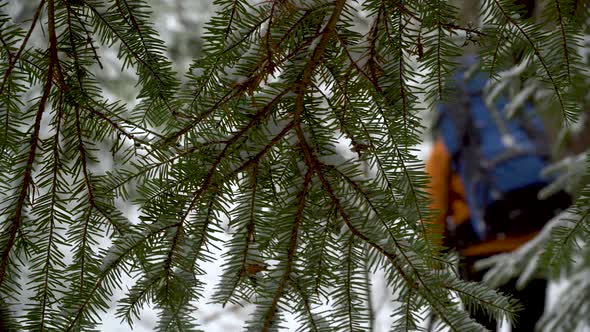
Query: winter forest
point(259, 165)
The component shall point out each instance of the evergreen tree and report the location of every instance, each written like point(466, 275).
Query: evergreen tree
point(247, 143)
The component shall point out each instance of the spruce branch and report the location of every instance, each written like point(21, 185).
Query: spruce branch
point(349, 298)
point(95, 288)
point(210, 182)
point(250, 234)
point(541, 59)
point(449, 26)
point(555, 257)
point(306, 303)
point(291, 249)
point(373, 62)
point(118, 128)
point(145, 63)
point(73, 46)
point(354, 63)
point(207, 180)
point(323, 244)
point(238, 90)
point(134, 24)
point(87, 177)
point(564, 39)
point(315, 165)
point(89, 39)
point(489, 303)
point(218, 56)
point(54, 46)
point(55, 169)
point(496, 52)
point(439, 67)
point(309, 158)
point(267, 102)
point(91, 105)
point(256, 159)
point(234, 7)
point(14, 59)
point(83, 248)
point(16, 222)
point(402, 83)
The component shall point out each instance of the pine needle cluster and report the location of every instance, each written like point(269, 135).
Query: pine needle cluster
point(248, 144)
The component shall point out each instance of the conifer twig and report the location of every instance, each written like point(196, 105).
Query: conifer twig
point(537, 53)
point(14, 59)
point(16, 222)
point(291, 249)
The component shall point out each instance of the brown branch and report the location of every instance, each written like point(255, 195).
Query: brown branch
point(323, 250)
point(206, 223)
point(89, 39)
point(401, 79)
point(268, 39)
point(254, 160)
point(373, 61)
point(372, 80)
point(83, 160)
point(449, 26)
point(86, 173)
point(28, 176)
point(231, 19)
point(6, 46)
point(439, 65)
point(261, 114)
point(73, 46)
point(178, 233)
point(118, 127)
point(313, 164)
point(291, 249)
point(54, 46)
point(14, 227)
point(13, 60)
point(237, 89)
point(56, 164)
point(209, 181)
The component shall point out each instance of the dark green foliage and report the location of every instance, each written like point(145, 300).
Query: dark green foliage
point(246, 148)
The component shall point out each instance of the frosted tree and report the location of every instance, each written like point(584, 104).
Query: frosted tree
point(246, 143)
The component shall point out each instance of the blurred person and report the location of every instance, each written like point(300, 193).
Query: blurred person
point(486, 170)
